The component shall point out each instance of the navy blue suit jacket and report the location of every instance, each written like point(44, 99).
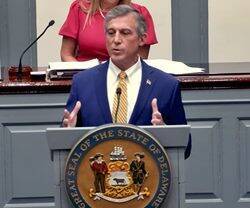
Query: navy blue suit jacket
point(90, 88)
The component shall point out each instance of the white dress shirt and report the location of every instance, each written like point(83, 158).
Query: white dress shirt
point(134, 74)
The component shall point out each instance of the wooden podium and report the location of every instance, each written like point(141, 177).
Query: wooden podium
point(173, 138)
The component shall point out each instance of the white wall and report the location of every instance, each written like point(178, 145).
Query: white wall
point(229, 31)
point(48, 48)
point(162, 19)
point(49, 45)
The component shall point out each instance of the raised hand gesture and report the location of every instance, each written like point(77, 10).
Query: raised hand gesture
point(69, 119)
point(156, 115)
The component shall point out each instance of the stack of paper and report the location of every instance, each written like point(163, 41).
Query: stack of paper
point(66, 70)
point(173, 67)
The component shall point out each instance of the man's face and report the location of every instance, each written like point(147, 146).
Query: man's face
point(123, 42)
point(138, 158)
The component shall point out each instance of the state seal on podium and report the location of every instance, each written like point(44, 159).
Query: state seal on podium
point(117, 165)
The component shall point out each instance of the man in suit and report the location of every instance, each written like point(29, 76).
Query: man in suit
point(152, 96)
point(137, 167)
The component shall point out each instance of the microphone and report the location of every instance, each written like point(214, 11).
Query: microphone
point(19, 74)
point(118, 93)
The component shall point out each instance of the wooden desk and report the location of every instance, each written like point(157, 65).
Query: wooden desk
point(217, 108)
point(188, 82)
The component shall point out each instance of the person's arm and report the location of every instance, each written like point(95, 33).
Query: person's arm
point(144, 51)
point(68, 49)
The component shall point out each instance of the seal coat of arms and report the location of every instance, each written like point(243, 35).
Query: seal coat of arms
point(117, 164)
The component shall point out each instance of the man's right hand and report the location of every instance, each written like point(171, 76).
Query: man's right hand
point(69, 119)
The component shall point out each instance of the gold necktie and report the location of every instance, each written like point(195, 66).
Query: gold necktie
point(119, 113)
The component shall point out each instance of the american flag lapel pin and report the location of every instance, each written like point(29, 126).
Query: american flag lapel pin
point(148, 82)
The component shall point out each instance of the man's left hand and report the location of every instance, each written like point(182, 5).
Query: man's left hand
point(156, 115)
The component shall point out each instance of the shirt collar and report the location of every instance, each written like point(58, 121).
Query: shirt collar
point(130, 71)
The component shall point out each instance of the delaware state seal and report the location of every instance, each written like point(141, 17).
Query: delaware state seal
point(117, 165)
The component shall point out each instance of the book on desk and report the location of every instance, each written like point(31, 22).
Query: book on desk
point(66, 70)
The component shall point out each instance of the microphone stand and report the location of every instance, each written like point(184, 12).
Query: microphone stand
point(118, 93)
point(20, 67)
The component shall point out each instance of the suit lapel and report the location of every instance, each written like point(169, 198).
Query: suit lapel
point(147, 84)
point(101, 92)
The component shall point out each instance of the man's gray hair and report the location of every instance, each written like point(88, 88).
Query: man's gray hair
point(123, 10)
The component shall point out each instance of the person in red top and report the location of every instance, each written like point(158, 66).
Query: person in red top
point(83, 31)
point(100, 169)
